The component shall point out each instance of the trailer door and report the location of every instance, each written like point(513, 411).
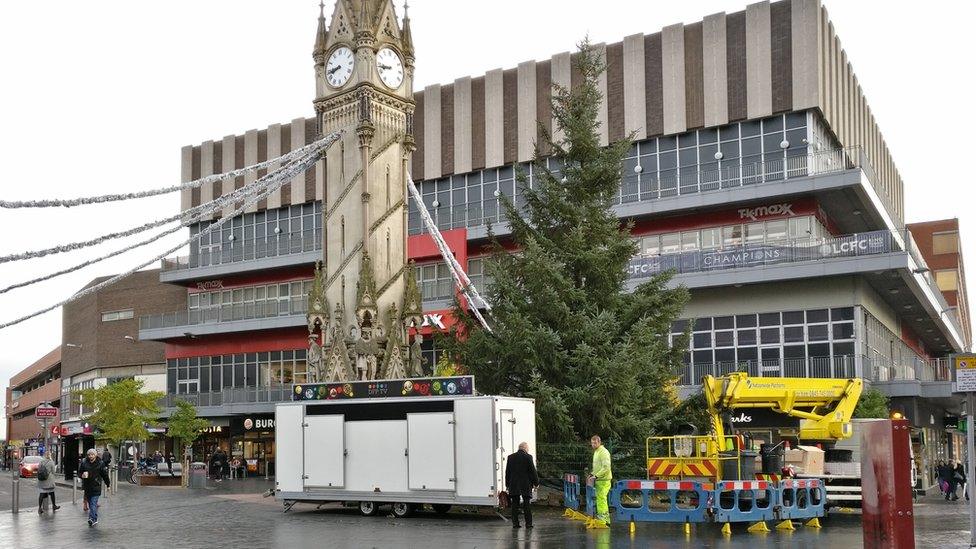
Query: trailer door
point(430, 454)
point(324, 451)
point(288, 443)
point(506, 433)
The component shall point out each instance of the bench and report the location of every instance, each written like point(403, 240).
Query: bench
point(174, 470)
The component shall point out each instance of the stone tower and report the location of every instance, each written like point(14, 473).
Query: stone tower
point(364, 67)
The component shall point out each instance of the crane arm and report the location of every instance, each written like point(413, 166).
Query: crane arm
point(824, 406)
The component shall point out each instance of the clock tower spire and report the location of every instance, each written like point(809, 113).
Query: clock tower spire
point(364, 66)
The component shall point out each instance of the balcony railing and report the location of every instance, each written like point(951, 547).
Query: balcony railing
point(771, 253)
point(246, 250)
point(648, 186)
point(226, 313)
point(839, 366)
point(243, 395)
point(919, 369)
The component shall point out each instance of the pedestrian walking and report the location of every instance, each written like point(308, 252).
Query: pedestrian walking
point(106, 457)
point(958, 480)
point(45, 484)
point(942, 471)
point(601, 476)
point(521, 478)
point(92, 472)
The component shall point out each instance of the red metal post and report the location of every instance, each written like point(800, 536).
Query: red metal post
point(886, 486)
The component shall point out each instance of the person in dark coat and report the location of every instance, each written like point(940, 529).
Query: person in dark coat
point(106, 457)
point(520, 478)
point(92, 472)
point(958, 474)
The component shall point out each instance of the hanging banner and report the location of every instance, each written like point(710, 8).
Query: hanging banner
point(753, 255)
point(386, 388)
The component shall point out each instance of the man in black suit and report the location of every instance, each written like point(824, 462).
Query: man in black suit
point(520, 478)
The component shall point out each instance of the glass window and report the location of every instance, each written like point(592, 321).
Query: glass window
point(689, 240)
point(732, 235)
point(947, 280)
point(703, 340)
point(670, 243)
point(800, 227)
point(945, 243)
point(776, 230)
point(817, 315)
point(843, 330)
point(651, 244)
point(679, 326)
point(711, 238)
point(702, 324)
point(817, 332)
point(755, 232)
point(793, 334)
point(747, 337)
point(842, 313)
point(724, 339)
point(793, 317)
point(724, 322)
point(745, 321)
point(769, 319)
point(769, 335)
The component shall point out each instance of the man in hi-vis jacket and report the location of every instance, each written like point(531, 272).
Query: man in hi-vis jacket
point(601, 475)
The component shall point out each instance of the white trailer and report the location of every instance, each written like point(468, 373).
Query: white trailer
point(404, 452)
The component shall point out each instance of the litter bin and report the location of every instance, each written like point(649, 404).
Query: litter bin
point(772, 458)
point(198, 475)
point(743, 469)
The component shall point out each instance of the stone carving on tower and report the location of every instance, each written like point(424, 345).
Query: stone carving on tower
point(364, 65)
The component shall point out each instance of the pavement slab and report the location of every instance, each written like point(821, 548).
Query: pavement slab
point(233, 514)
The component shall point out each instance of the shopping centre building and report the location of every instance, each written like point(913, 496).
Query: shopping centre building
point(758, 174)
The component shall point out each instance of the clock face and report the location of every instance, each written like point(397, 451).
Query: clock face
point(339, 68)
point(390, 67)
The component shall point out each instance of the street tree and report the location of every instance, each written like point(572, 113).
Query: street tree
point(183, 425)
point(565, 329)
point(873, 404)
point(121, 410)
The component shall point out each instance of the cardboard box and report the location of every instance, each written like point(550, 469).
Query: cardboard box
point(808, 460)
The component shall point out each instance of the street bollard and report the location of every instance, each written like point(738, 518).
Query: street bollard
point(15, 495)
point(74, 490)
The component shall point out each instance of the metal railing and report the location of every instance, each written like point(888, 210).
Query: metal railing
point(246, 250)
point(838, 366)
point(226, 313)
point(647, 186)
point(770, 253)
point(242, 395)
point(918, 369)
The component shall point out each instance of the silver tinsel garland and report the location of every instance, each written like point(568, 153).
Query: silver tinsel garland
point(277, 179)
point(67, 203)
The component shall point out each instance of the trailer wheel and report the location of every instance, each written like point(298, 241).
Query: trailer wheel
point(402, 510)
point(441, 508)
point(368, 508)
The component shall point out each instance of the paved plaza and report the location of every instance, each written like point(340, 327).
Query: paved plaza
point(235, 515)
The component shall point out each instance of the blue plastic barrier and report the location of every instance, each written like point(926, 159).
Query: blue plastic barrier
point(590, 498)
point(661, 501)
point(802, 499)
point(745, 501)
point(571, 491)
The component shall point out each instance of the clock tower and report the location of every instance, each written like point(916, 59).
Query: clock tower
point(364, 64)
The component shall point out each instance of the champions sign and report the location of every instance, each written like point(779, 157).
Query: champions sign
point(752, 255)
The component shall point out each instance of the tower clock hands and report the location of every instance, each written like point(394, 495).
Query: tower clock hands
point(333, 69)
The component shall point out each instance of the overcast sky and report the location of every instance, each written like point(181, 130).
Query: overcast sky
point(99, 96)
